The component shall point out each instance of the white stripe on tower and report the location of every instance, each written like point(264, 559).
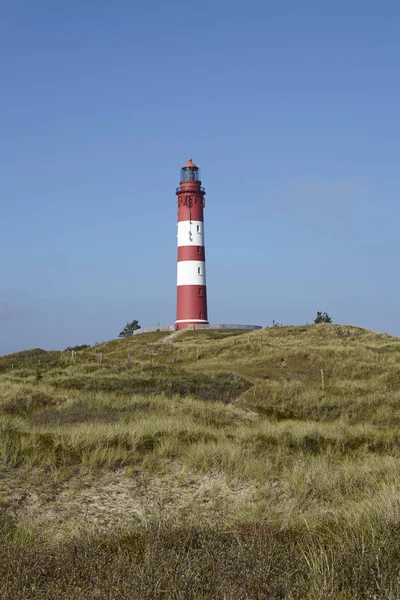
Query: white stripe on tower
point(191, 272)
point(190, 233)
point(192, 321)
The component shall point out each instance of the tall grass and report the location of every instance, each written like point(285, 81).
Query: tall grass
point(215, 466)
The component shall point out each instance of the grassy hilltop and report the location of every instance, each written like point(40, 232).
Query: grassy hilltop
point(221, 465)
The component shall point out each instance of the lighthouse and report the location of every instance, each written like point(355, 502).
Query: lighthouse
point(191, 304)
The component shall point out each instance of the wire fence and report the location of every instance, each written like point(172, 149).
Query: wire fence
point(225, 326)
point(151, 329)
point(201, 327)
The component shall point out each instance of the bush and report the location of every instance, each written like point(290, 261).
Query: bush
point(322, 318)
point(77, 348)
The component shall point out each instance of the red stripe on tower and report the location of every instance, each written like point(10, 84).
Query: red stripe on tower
point(191, 304)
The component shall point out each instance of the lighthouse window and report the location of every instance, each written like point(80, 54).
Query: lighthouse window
point(201, 316)
point(200, 292)
point(198, 228)
point(198, 250)
point(199, 270)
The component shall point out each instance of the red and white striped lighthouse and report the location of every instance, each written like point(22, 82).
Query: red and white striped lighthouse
point(191, 304)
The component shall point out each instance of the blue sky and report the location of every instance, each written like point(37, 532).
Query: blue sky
point(290, 109)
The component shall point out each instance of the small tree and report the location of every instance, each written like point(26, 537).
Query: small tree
point(129, 329)
point(322, 318)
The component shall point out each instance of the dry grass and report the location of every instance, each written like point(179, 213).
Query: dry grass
point(215, 466)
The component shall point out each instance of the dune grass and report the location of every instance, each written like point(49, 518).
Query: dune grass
point(214, 466)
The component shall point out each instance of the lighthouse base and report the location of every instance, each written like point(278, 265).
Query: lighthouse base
point(189, 322)
point(191, 305)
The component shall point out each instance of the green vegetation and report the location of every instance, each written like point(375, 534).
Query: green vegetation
point(220, 465)
point(76, 348)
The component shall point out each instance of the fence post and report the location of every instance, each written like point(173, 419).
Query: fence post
point(322, 379)
point(100, 358)
point(128, 361)
point(198, 354)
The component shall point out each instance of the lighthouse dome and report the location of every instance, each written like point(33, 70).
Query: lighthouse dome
point(190, 171)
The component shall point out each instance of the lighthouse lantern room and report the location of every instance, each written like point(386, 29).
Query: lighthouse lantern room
point(191, 305)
